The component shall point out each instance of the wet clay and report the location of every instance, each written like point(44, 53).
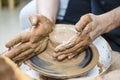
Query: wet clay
point(46, 64)
point(100, 65)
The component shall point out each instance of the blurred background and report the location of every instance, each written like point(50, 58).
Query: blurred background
point(9, 20)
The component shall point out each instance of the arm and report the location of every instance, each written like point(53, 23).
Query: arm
point(96, 25)
point(48, 8)
point(34, 41)
point(113, 17)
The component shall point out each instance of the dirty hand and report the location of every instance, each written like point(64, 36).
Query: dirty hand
point(31, 42)
point(89, 27)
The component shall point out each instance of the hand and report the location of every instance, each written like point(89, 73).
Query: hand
point(31, 42)
point(89, 27)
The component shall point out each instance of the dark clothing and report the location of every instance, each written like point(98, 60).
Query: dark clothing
point(77, 8)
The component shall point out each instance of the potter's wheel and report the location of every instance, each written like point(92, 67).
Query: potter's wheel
point(81, 65)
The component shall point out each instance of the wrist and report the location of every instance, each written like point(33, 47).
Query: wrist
point(52, 19)
point(106, 22)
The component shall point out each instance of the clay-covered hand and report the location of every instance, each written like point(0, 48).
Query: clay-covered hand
point(32, 41)
point(89, 27)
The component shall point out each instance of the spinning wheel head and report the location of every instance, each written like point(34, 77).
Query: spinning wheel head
point(78, 66)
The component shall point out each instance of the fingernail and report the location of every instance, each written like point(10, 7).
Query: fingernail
point(70, 57)
point(61, 57)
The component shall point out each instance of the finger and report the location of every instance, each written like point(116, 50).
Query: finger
point(87, 29)
point(17, 50)
point(61, 57)
point(75, 53)
point(84, 20)
point(23, 37)
point(33, 19)
point(36, 45)
point(37, 18)
point(73, 49)
point(23, 56)
point(72, 42)
point(70, 55)
point(14, 41)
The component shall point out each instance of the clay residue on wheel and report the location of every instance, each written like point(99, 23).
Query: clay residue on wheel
point(100, 65)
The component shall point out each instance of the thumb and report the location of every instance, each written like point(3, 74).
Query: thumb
point(84, 20)
point(33, 19)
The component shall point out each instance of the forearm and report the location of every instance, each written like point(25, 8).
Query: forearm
point(48, 8)
point(112, 19)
